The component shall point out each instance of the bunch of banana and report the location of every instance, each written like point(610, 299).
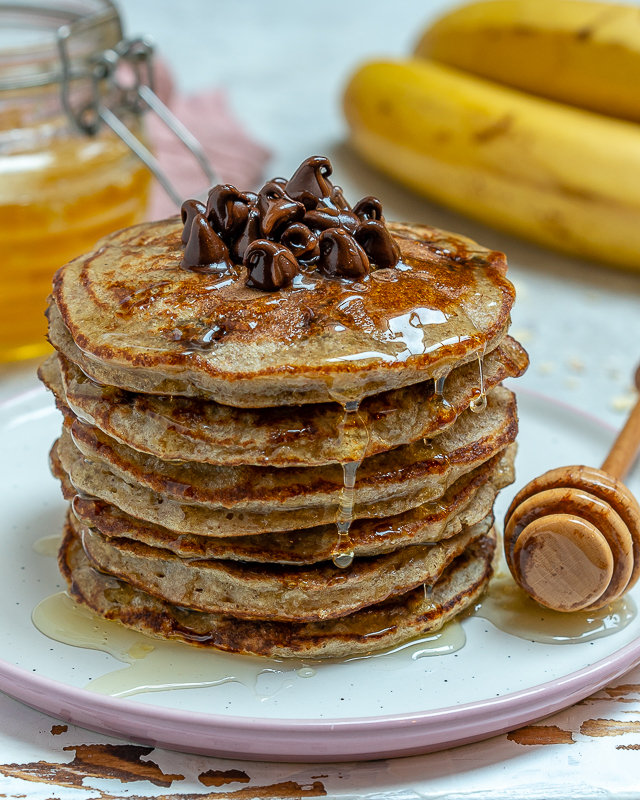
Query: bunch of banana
point(496, 118)
point(582, 53)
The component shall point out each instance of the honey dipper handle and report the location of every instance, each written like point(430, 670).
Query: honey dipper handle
point(625, 448)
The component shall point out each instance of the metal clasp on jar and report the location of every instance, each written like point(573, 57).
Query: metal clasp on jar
point(108, 98)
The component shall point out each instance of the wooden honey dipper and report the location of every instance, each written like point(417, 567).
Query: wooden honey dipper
point(572, 536)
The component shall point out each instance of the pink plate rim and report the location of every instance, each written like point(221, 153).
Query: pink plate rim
point(303, 740)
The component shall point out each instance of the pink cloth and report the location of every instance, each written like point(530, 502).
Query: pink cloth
point(234, 155)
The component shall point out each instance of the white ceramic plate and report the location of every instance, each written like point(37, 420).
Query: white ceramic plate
point(369, 708)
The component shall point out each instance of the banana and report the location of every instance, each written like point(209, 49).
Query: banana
point(582, 53)
point(555, 174)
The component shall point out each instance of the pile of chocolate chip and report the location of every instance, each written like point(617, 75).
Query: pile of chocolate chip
point(301, 223)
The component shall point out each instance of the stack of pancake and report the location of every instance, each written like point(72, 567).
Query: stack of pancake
point(282, 453)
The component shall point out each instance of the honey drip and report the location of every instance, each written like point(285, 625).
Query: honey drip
point(354, 440)
point(511, 610)
point(443, 409)
point(156, 665)
point(343, 556)
point(479, 401)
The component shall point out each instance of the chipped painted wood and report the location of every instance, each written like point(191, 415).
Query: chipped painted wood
point(609, 727)
point(219, 777)
point(115, 761)
point(541, 734)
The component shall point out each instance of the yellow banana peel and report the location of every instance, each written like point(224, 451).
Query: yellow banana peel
point(582, 53)
point(555, 174)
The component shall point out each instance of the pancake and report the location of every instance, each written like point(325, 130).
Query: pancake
point(403, 470)
point(130, 316)
point(187, 429)
point(465, 503)
point(284, 424)
point(386, 624)
point(232, 501)
point(273, 591)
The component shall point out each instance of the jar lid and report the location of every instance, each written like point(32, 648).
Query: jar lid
point(30, 33)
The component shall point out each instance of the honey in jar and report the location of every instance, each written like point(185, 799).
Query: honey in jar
point(60, 189)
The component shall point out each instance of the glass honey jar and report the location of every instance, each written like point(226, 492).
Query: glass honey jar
point(65, 180)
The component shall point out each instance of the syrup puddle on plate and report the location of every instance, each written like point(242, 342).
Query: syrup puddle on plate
point(48, 545)
point(155, 665)
point(512, 611)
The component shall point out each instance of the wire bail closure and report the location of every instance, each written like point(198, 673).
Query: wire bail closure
point(104, 74)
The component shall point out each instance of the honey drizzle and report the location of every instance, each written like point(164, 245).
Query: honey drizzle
point(354, 440)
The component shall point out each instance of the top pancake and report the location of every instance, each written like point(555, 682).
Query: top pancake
point(131, 317)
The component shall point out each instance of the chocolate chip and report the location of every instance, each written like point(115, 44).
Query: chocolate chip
point(338, 199)
point(227, 210)
point(322, 218)
point(378, 244)
point(341, 256)
point(205, 250)
point(248, 234)
point(309, 183)
point(270, 266)
point(310, 258)
point(277, 210)
point(188, 211)
point(299, 239)
point(368, 208)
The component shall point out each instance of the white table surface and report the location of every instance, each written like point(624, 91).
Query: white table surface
point(283, 63)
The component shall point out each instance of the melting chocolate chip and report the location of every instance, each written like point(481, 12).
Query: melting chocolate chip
point(205, 250)
point(270, 266)
point(227, 209)
point(321, 219)
point(302, 222)
point(249, 233)
point(310, 258)
point(368, 208)
point(338, 199)
point(187, 212)
point(277, 210)
point(308, 316)
point(378, 244)
point(299, 239)
point(309, 184)
point(341, 256)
